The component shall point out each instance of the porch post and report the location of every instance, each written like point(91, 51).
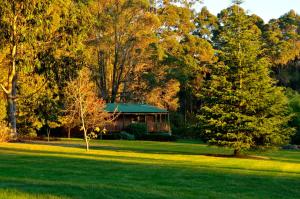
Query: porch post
point(146, 123)
point(123, 121)
point(169, 125)
point(160, 122)
point(156, 123)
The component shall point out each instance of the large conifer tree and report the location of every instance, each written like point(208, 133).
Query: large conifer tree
point(242, 107)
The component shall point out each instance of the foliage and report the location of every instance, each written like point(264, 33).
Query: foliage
point(165, 96)
point(38, 105)
point(5, 132)
point(34, 34)
point(120, 45)
point(2, 107)
point(294, 106)
point(283, 38)
point(137, 129)
point(161, 52)
point(83, 106)
point(126, 136)
point(242, 107)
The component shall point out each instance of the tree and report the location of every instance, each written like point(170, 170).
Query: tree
point(206, 24)
point(282, 37)
point(69, 122)
point(294, 106)
point(83, 106)
point(165, 96)
point(184, 52)
point(38, 104)
point(120, 44)
point(30, 28)
point(242, 107)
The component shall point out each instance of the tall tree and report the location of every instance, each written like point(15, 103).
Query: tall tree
point(30, 28)
point(282, 37)
point(184, 53)
point(242, 107)
point(120, 42)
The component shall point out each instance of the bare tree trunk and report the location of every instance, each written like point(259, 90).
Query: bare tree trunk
point(83, 124)
point(86, 139)
point(116, 61)
point(11, 90)
point(237, 152)
point(102, 84)
point(69, 133)
point(48, 134)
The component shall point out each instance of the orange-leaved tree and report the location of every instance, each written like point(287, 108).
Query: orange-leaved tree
point(84, 107)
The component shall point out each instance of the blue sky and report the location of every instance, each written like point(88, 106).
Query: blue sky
point(266, 9)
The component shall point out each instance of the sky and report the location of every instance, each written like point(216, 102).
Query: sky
point(266, 9)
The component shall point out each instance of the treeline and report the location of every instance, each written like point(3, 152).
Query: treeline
point(220, 74)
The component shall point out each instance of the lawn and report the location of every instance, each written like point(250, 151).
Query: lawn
point(136, 169)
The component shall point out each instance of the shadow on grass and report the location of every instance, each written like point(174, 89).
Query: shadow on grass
point(85, 156)
point(135, 149)
point(207, 151)
point(69, 177)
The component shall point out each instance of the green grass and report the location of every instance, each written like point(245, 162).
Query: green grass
point(135, 169)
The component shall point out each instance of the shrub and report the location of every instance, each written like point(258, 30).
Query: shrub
point(294, 108)
point(4, 132)
point(111, 136)
point(27, 133)
point(137, 129)
point(126, 136)
point(186, 132)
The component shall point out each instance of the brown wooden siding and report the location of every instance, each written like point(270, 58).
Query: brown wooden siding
point(155, 122)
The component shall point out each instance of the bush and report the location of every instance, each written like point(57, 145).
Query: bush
point(126, 136)
point(137, 129)
point(27, 133)
point(294, 108)
point(112, 136)
point(4, 132)
point(187, 133)
point(157, 137)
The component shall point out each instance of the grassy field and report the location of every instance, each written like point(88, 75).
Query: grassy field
point(135, 169)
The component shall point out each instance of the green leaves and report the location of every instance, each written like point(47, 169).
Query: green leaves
point(242, 107)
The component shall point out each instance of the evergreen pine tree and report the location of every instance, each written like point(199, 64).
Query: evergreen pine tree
point(242, 107)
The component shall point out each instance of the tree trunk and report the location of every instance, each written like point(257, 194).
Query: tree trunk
point(69, 133)
point(102, 75)
point(11, 95)
point(48, 134)
point(12, 116)
point(237, 152)
point(86, 139)
point(83, 123)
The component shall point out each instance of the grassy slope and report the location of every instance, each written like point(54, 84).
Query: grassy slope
point(123, 169)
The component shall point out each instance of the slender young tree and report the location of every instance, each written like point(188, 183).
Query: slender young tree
point(83, 106)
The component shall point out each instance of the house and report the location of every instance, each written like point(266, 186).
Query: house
point(156, 119)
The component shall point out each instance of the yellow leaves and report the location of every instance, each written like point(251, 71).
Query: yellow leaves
point(82, 104)
point(165, 97)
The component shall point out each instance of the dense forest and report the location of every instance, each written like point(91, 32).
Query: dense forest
point(231, 79)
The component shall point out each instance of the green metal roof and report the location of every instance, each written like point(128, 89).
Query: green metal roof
point(133, 108)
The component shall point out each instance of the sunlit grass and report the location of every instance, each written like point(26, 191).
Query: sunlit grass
point(135, 169)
